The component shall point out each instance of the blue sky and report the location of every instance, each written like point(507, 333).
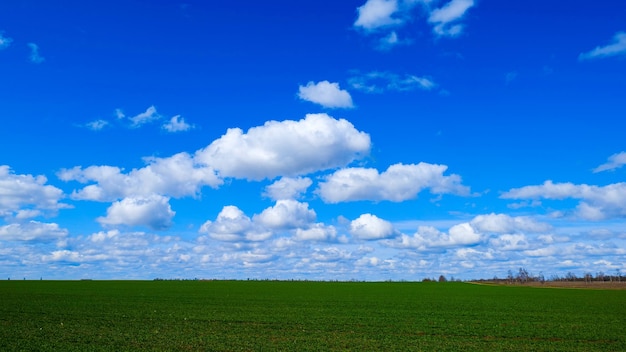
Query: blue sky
point(369, 140)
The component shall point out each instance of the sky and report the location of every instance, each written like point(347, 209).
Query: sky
point(319, 140)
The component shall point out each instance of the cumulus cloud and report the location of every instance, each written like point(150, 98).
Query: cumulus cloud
point(35, 57)
point(445, 19)
point(288, 188)
point(326, 94)
point(615, 162)
point(428, 238)
point(4, 41)
point(287, 214)
point(370, 227)
point(32, 231)
point(177, 124)
point(380, 82)
point(596, 202)
point(617, 48)
point(153, 211)
point(27, 195)
point(317, 232)
point(177, 176)
point(97, 125)
point(398, 183)
point(233, 225)
point(377, 13)
point(503, 223)
point(287, 148)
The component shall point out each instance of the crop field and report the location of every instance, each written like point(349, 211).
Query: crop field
point(306, 316)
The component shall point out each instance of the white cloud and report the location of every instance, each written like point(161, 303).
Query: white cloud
point(428, 238)
point(32, 231)
point(316, 232)
point(288, 188)
point(149, 115)
point(326, 94)
point(232, 225)
point(35, 57)
point(177, 176)
point(153, 211)
point(177, 124)
point(97, 125)
point(379, 82)
point(4, 41)
point(502, 223)
point(370, 227)
point(286, 214)
point(400, 182)
point(444, 18)
point(27, 194)
point(615, 162)
point(617, 48)
point(377, 13)
point(597, 202)
point(287, 148)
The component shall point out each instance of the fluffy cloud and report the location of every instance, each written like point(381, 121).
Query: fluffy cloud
point(4, 41)
point(97, 125)
point(502, 223)
point(286, 148)
point(153, 211)
point(427, 238)
point(35, 57)
point(377, 13)
point(32, 231)
point(316, 232)
point(370, 227)
point(177, 124)
point(615, 162)
point(286, 214)
point(617, 48)
point(445, 19)
point(400, 182)
point(177, 176)
point(233, 225)
point(288, 188)
point(326, 94)
point(597, 202)
point(379, 82)
point(26, 194)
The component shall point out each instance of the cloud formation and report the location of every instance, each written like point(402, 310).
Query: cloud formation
point(596, 202)
point(445, 19)
point(370, 227)
point(147, 116)
point(617, 48)
point(286, 148)
point(4, 41)
point(177, 124)
point(615, 162)
point(288, 188)
point(26, 196)
point(377, 13)
point(35, 57)
point(32, 231)
point(398, 183)
point(153, 211)
point(326, 94)
point(380, 82)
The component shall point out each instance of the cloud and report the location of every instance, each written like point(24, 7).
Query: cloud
point(370, 227)
point(617, 48)
point(147, 116)
point(153, 211)
point(427, 238)
point(444, 18)
point(176, 176)
point(177, 124)
point(97, 125)
point(34, 54)
point(32, 231)
point(379, 82)
point(316, 232)
point(398, 183)
point(288, 188)
point(377, 13)
point(615, 162)
point(287, 148)
point(286, 214)
point(502, 223)
point(4, 41)
point(326, 94)
point(232, 225)
point(597, 202)
point(26, 195)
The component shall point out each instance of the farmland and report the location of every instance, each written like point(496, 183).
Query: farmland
point(306, 316)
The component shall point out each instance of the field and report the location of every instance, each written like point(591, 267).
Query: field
point(306, 316)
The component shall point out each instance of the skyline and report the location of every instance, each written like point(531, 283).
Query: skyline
point(367, 140)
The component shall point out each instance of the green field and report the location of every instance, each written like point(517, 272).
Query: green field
point(306, 316)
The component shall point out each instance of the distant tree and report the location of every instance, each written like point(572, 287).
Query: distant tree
point(509, 276)
point(523, 275)
point(588, 277)
point(570, 276)
point(442, 278)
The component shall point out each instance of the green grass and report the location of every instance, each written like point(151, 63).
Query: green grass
point(305, 316)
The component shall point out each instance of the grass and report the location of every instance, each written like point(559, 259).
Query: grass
point(305, 316)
